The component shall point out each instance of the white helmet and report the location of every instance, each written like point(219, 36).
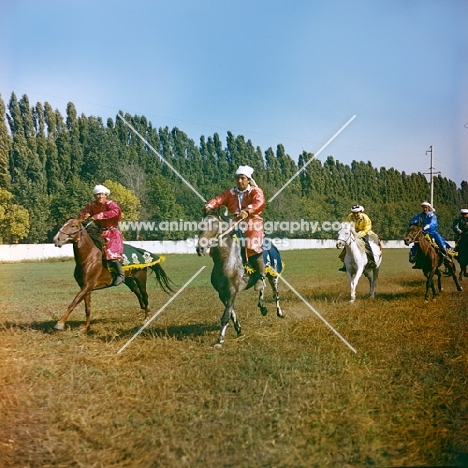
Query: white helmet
point(100, 189)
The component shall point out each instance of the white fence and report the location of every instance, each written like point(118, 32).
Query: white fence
point(19, 252)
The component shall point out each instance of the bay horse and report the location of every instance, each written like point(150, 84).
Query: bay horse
point(430, 261)
point(91, 274)
point(356, 261)
point(228, 276)
point(462, 257)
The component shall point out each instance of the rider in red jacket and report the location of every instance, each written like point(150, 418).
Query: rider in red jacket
point(106, 214)
point(246, 200)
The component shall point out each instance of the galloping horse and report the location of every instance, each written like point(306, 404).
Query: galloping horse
point(228, 276)
point(429, 259)
point(462, 257)
point(356, 261)
point(91, 274)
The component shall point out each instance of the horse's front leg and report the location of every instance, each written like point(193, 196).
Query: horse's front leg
point(60, 325)
point(87, 301)
point(261, 302)
point(430, 286)
point(229, 314)
point(353, 281)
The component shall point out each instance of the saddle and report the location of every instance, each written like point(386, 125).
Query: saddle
point(273, 263)
point(450, 252)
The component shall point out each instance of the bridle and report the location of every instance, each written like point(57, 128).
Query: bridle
point(216, 239)
point(71, 235)
point(414, 237)
point(346, 241)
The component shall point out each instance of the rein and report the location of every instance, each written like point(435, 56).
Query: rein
point(348, 240)
point(72, 233)
point(228, 231)
point(415, 237)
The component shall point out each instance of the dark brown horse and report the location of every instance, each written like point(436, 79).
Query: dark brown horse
point(430, 261)
point(462, 257)
point(91, 273)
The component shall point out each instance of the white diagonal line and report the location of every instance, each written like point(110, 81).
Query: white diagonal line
point(310, 160)
point(161, 309)
point(319, 316)
point(161, 158)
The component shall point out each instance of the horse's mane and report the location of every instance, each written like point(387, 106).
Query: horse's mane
point(95, 234)
point(360, 243)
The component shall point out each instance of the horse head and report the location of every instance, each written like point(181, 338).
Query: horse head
point(345, 235)
point(215, 225)
point(208, 237)
point(69, 232)
point(414, 231)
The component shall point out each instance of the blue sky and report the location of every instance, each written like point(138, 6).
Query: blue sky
point(290, 72)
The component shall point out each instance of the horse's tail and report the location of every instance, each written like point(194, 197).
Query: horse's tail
point(164, 281)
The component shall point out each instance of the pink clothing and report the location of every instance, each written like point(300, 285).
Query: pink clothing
point(252, 201)
point(107, 216)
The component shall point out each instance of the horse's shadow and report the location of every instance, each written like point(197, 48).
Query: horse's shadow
point(178, 332)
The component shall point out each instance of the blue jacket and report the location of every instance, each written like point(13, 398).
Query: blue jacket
point(428, 221)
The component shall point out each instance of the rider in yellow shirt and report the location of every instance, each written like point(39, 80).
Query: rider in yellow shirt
point(363, 226)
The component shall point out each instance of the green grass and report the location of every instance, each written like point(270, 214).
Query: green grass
point(287, 393)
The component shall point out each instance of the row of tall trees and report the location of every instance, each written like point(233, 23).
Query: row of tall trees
point(49, 164)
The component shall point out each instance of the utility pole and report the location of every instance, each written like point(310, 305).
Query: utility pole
point(431, 172)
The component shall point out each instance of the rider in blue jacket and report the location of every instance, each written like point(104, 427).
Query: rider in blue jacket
point(427, 219)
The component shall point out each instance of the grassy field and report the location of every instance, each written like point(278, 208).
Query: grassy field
point(287, 393)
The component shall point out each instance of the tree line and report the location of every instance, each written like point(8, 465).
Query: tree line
point(49, 164)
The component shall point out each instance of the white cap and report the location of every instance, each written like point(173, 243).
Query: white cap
point(357, 208)
point(464, 211)
point(426, 203)
point(245, 170)
point(100, 189)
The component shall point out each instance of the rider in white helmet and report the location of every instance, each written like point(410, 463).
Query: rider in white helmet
point(363, 226)
point(427, 219)
point(106, 214)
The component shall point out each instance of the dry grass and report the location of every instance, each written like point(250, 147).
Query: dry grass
point(287, 393)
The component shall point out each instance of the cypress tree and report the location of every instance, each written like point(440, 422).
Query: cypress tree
point(52, 167)
point(5, 146)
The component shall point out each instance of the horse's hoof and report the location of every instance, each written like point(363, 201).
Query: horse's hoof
point(218, 346)
point(263, 311)
point(280, 314)
point(59, 326)
point(460, 288)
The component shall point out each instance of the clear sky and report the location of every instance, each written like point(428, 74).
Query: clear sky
point(275, 71)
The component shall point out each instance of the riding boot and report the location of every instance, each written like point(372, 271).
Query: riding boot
point(259, 265)
point(341, 257)
point(119, 275)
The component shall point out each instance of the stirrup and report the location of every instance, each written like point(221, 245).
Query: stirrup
point(118, 280)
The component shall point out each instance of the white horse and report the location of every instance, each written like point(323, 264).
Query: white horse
point(356, 260)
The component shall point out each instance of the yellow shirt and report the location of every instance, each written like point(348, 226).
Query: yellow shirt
point(363, 226)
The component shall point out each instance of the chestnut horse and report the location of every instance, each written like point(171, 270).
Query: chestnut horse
point(91, 273)
point(430, 261)
point(228, 276)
